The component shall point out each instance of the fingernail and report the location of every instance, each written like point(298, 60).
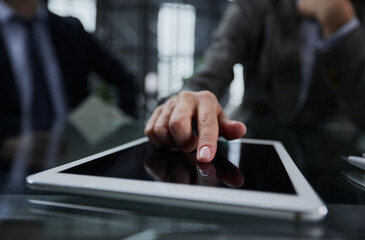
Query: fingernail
point(204, 153)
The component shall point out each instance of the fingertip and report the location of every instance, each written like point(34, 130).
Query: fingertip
point(205, 154)
point(244, 129)
point(148, 130)
point(155, 142)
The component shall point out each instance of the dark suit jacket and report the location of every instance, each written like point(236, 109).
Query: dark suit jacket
point(78, 54)
point(263, 35)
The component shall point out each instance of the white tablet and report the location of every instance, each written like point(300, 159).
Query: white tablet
point(247, 176)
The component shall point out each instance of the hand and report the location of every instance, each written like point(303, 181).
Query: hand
point(172, 124)
point(331, 14)
point(171, 165)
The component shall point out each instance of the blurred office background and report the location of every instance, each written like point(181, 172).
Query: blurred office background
point(161, 41)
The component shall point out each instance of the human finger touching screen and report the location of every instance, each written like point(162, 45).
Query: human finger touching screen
point(172, 124)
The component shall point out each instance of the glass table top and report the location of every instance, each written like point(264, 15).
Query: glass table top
point(25, 213)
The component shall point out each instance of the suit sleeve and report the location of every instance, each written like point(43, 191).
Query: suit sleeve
point(237, 33)
point(343, 66)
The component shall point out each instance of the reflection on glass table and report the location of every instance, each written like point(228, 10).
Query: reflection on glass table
point(357, 179)
point(317, 153)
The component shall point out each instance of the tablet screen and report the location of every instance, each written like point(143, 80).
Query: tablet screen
point(237, 165)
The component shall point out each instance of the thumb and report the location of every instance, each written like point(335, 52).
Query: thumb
point(230, 129)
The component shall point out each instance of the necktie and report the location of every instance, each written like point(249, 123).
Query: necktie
point(41, 106)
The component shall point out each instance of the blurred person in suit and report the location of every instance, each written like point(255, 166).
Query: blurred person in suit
point(45, 62)
point(303, 65)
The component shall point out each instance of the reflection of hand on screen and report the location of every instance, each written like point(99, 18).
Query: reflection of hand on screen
point(171, 165)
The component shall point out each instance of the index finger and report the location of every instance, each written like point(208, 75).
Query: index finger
point(208, 128)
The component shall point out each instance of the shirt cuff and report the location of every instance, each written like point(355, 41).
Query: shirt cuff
point(327, 43)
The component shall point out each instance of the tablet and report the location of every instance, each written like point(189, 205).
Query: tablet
point(247, 176)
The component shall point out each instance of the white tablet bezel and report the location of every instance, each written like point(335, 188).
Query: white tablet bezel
point(305, 204)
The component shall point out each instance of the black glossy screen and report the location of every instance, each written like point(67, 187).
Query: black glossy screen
point(259, 167)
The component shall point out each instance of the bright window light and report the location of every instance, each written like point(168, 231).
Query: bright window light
point(176, 46)
point(84, 10)
point(236, 89)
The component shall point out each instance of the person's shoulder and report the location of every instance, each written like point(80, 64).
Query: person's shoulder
point(253, 5)
point(243, 3)
point(65, 20)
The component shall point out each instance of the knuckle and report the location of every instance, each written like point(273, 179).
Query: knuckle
point(171, 102)
point(207, 120)
point(147, 132)
point(186, 95)
point(208, 95)
point(161, 130)
point(159, 109)
point(207, 140)
point(177, 123)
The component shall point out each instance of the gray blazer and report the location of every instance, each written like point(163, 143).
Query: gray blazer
point(263, 35)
